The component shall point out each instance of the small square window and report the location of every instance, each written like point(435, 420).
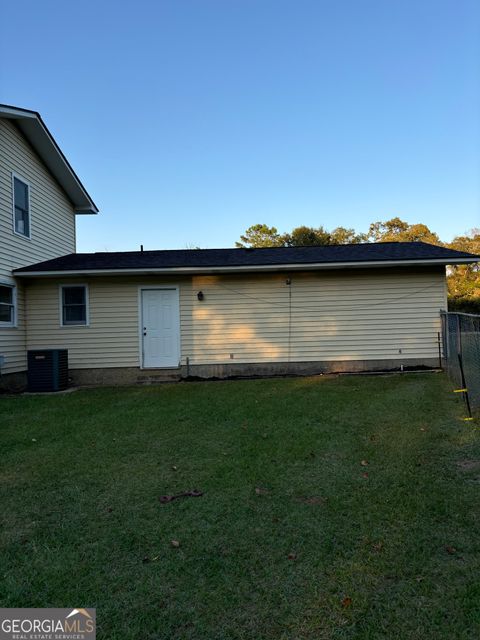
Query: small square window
point(7, 305)
point(21, 207)
point(74, 305)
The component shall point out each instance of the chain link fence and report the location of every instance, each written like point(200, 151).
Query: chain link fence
point(461, 353)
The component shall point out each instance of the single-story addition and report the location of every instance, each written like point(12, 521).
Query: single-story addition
point(147, 315)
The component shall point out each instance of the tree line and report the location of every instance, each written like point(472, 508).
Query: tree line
point(463, 280)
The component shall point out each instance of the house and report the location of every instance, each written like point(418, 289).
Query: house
point(147, 315)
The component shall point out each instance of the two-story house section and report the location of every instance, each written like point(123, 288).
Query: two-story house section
point(40, 195)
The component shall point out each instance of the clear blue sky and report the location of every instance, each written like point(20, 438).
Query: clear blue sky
point(189, 120)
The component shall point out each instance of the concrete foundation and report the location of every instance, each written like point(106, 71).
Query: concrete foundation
point(133, 375)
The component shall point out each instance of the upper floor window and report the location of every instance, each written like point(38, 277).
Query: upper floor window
point(7, 305)
point(21, 207)
point(74, 305)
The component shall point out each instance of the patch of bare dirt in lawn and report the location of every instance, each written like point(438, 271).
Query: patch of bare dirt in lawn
point(468, 465)
point(312, 500)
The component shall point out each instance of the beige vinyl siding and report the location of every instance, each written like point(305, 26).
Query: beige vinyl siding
point(52, 225)
point(13, 339)
point(51, 213)
point(335, 315)
point(112, 337)
point(327, 315)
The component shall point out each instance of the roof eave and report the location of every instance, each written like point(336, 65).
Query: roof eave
point(36, 132)
point(244, 268)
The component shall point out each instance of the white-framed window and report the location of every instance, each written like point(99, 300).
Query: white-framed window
point(8, 305)
point(21, 206)
point(74, 305)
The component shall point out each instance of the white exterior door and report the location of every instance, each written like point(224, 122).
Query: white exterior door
point(160, 328)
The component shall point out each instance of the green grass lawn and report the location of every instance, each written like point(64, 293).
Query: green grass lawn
point(333, 508)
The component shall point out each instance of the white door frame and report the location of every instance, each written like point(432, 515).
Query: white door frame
point(162, 287)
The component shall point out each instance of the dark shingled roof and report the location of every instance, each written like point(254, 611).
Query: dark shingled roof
point(217, 258)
